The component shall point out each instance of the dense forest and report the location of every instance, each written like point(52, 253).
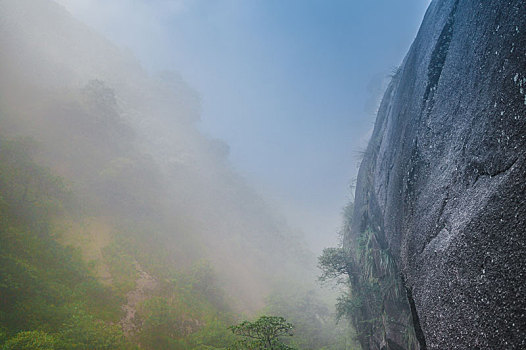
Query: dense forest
point(122, 226)
point(56, 297)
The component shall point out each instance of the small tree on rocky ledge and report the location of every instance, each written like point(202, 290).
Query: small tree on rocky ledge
point(264, 333)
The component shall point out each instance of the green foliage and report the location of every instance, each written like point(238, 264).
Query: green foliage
point(264, 333)
point(315, 326)
point(50, 299)
point(31, 340)
point(334, 263)
point(164, 323)
point(82, 332)
point(212, 335)
point(204, 284)
point(189, 312)
point(372, 281)
point(348, 305)
point(169, 326)
point(29, 192)
point(371, 284)
point(122, 268)
point(310, 316)
point(348, 212)
point(44, 286)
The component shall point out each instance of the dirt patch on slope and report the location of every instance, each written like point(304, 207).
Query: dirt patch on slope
point(144, 286)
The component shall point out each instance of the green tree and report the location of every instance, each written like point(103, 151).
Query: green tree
point(83, 332)
point(32, 340)
point(264, 333)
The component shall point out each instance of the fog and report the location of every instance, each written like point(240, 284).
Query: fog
point(128, 142)
point(300, 76)
point(177, 166)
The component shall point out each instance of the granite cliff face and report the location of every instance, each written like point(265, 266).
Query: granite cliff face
point(442, 186)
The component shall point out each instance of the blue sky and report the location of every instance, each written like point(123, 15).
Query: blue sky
point(290, 85)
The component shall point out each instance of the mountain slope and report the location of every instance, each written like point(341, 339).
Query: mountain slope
point(172, 244)
point(442, 185)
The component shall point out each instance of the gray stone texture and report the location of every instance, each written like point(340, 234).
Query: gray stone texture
point(443, 180)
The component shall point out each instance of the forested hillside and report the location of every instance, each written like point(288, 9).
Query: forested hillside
point(122, 226)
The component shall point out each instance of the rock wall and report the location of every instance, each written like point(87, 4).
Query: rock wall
point(442, 185)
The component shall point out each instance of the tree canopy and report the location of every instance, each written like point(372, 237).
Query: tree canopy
point(264, 333)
